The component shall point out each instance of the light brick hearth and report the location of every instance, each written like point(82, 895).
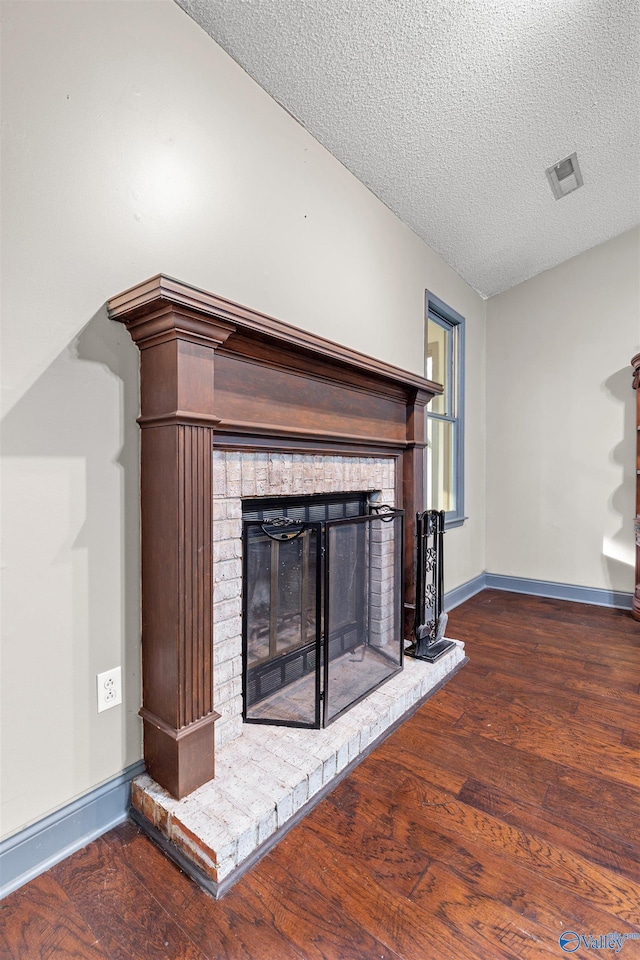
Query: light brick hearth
point(267, 777)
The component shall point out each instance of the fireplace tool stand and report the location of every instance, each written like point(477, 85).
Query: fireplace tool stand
point(430, 621)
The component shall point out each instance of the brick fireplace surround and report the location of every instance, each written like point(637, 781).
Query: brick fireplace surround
point(236, 405)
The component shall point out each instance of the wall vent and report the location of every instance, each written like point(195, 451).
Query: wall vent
point(565, 176)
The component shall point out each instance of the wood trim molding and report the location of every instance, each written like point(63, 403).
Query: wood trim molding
point(214, 373)
point(163, 291)
point(635, 364)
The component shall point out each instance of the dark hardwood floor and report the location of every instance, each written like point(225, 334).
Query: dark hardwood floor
point(504, 812)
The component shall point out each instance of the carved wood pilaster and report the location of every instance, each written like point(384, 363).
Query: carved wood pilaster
point(177, 629)
point(177, 349)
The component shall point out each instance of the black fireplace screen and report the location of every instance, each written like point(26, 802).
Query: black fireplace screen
point(322, 608)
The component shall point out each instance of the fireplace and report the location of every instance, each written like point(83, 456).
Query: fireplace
point(246, 420)
point(322, 611)
point(221, 387)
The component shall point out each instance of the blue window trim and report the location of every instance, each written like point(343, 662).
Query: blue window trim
point(440, 311)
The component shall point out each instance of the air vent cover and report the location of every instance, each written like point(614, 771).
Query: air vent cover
point(565, 176)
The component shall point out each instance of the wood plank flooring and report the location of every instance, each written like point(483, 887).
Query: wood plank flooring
point(504, 812)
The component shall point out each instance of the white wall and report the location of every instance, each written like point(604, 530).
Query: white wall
point(561, 421)
point(133, 145)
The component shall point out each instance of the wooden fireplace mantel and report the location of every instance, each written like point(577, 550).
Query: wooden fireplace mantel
point(213, 373)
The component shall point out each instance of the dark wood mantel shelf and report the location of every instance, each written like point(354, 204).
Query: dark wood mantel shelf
point(213, 373)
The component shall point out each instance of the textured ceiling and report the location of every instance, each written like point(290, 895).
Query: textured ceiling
point(451, 110)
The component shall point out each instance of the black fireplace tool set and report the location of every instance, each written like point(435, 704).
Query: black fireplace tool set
point(430, 619)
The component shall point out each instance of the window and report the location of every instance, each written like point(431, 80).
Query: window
point(444, 363)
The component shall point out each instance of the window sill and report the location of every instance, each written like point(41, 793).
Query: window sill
point(449, 524)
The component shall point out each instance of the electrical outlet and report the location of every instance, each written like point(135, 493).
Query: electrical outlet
point(109, 689)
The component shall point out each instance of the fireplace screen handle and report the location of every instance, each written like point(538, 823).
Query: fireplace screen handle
point(283, 528)
point(383, 511)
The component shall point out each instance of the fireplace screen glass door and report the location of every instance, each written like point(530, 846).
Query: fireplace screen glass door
point(322, 611)
point(363, 608)
point(282, 623)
